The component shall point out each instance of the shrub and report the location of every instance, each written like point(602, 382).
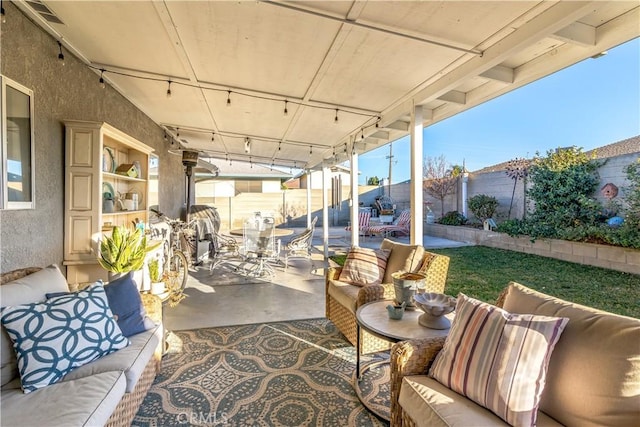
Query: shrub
point(452, 218)
point(483, 206)
point(562, 185)
point(632, 195)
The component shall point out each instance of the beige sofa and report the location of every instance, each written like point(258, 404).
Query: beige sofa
point(107, 391)
point(343, 299)
point(593, 377)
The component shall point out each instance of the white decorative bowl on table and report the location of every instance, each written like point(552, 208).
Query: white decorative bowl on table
point(435, 306)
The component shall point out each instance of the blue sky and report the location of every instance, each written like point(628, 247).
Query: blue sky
point(591, 104)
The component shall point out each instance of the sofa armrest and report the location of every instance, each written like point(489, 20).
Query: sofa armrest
point(412, 357)
point(375, 293)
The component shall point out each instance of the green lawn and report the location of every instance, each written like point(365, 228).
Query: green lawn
point(483, 272)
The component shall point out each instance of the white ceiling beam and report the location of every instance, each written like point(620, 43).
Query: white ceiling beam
point(577, 33)
point(380, 134)
point(454, 96)
point(499, 73)
point(398, 125)
point(550, 21)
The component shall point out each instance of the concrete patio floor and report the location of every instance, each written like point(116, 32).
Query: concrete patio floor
point(227, 298)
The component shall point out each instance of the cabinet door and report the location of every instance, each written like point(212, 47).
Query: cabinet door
point(82, 202)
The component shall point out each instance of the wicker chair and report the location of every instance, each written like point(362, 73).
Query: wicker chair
point(437, 267)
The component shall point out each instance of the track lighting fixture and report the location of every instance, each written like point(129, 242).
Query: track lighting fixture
point(310, 149)
point(4, 18)
point(213, 135)
point(335, 120)
point(60, 55)
point(165, 137)
point(228, 98)
point(362, 135)
point(247, 145)
point(279, 145)
point(286, 111)
point(102, 84)
point(177, 132)
point(378, 121)
point(169, 89)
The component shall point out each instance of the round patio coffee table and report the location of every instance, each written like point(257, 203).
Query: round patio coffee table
point(373, 318)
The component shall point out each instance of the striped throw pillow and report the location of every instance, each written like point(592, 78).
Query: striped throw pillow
point(497, 359)
point(364, 266)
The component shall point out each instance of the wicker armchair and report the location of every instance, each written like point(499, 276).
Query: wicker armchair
point(344, 318)
point(413, 357)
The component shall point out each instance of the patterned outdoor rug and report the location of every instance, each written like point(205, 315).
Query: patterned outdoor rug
point(294, 373)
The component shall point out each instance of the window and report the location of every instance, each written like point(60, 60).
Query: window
point(243, 186)
point(17, 179)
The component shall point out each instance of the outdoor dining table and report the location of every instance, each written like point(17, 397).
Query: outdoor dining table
point(277, 232)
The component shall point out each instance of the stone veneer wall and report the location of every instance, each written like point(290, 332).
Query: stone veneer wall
point(612, 257)
point(29, 56)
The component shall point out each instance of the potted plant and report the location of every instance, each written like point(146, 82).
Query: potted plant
point(157, 285)
point(123, 251)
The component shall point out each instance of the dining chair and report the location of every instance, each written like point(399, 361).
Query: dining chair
point(300, 245)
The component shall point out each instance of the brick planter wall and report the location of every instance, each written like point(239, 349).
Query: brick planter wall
point(612, 257)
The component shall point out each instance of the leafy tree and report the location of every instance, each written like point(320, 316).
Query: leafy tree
point(440, 178)
point(374, 180)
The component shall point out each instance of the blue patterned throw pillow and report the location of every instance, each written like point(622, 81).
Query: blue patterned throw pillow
point(56, 336)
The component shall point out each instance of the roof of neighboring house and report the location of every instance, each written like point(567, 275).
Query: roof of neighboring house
point(620, 148)
point(246, 170)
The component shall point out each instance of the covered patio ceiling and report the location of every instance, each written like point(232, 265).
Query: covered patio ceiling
point(305, 84)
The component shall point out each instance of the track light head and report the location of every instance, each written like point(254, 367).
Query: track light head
point(228, 98)
point(335, 120)
point(247, 145)
point(169, 89)
point(286, 111)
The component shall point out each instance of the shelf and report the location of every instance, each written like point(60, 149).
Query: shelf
point(124, 213)
point(122, 177)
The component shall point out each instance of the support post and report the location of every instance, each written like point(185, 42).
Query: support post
point(355, 201)
point(417, 206)
point(325, 212)
point(309, 174)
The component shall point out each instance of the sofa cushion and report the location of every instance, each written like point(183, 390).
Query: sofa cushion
point(132, 359)
point(344, 293)
point(54, 337)
point(126, 305)
point(31, 288)
point(594, 372)
point(431, 404)
point(82, 402)
point(364, 266)
point(497, 359)
point(402, 258)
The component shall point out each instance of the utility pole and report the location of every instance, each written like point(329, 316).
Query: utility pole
point(390, 165)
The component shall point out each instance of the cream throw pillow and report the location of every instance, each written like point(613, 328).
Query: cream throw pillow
point(497, 359)
point(364, 266)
